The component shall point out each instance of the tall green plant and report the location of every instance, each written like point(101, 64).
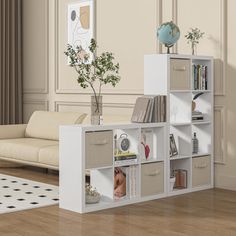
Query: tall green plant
point(93, 70)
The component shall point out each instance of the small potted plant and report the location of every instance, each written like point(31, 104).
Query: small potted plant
point(193, 36)
point(94, 71)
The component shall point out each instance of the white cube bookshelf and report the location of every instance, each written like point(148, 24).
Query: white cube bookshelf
point(86, 148)
point(172, 75)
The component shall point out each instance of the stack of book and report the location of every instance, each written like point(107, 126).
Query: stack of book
point(197, 116)
point(200, 80)
point(149, 109)
point(125, 158)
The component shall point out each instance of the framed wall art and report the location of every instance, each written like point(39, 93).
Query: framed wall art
point(81, 26)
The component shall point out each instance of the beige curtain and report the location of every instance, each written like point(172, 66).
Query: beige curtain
point(10, 62)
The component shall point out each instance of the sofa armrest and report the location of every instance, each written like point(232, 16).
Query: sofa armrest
point(12, 131)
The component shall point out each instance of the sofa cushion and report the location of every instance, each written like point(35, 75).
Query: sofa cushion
point(45, 125)
point(49, 155)
point(25, 149)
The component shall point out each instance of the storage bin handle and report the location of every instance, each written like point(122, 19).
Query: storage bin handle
point(183, 68)
point(201, 166)
point(155, 173)
point(102, 142)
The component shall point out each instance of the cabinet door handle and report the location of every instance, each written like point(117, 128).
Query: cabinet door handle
point(102, 142)
point(183, 68)
point(155, 173)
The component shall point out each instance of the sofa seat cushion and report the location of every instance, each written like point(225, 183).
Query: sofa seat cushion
point(24, 149)
point(49, 155)
point(45, 124)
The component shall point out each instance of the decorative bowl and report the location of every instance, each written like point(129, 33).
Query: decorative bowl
point(93, 199)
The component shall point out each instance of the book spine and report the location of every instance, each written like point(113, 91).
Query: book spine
point(127, 182)
point(198, 77)
point(195, 77)
point(134, 181)
point(193, 81)
point(131, 182)
point(165, 98)
point(159, 109)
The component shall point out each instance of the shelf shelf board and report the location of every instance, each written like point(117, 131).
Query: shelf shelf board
point(99, 168)
point(180, 123)
point(151, 160)
point(153, 125)
point(179, 157)
point(179, 191)
point(201, 154)
point(124, 199)
point(199, 91)
point(126, 164)
point(180, 91)
point(201, 122)
point(104, 201)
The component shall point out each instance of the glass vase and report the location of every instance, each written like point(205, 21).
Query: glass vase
point(96, 110)
point(194, 49)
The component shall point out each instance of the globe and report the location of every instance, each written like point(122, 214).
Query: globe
point(168, 34)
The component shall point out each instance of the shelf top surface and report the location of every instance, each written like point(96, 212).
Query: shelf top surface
point(88, 127)
point(182, 56)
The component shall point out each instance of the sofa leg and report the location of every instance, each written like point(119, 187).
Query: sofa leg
point(46, 170)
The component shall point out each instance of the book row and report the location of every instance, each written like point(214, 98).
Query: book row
point(200, 78)
point(149, 109)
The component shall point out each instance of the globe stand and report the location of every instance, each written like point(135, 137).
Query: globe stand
point(168, 47)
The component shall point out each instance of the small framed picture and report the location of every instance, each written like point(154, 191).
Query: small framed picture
point(173, 148)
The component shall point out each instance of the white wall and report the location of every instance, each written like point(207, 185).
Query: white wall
point(128, 28)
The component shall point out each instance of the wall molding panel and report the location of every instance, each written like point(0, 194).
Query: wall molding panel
point(159, 21)
point(45, 76)
point(223, 52)
point(43, 103)
point(31, 105)
point(58, 104)
point(220, 135)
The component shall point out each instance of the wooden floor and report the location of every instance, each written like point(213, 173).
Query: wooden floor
point(211, 212)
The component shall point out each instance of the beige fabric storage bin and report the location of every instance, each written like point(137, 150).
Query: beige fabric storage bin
point(201, 169)
point(152, 179)
point(98, 149)
point(180, 74)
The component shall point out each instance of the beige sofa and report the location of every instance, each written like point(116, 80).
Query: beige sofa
point(37, 142)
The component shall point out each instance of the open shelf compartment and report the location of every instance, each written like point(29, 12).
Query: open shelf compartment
point(205, 73)
point(203, 104)
point(180, 107)
point(203, 133)
point(181, 169)
point(130, 176)
point(102, 181)
point(182, 139)
point(126, 147)
point(152, 144)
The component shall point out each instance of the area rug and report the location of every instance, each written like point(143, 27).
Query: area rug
point(17, 194)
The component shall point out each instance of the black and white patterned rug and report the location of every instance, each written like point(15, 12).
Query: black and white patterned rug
point(18, 194)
